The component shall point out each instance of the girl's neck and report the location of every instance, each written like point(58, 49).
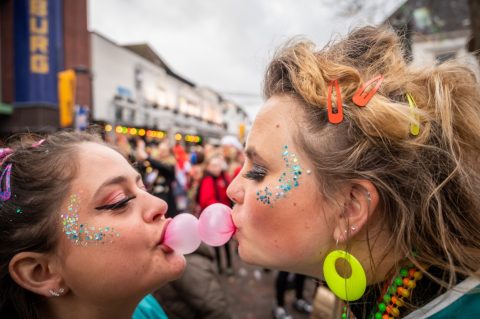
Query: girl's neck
point(69, 307)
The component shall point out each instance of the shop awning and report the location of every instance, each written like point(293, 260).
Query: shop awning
point(6, 108)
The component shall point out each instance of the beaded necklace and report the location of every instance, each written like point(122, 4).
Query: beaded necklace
point(395, 295)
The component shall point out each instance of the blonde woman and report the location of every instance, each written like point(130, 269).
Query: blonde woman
point(363, 171)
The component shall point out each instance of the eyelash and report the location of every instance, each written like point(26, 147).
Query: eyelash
point(257, 173)
point(118, 205)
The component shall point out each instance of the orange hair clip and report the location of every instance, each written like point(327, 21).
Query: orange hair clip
point(337, 117)
point(361, 98)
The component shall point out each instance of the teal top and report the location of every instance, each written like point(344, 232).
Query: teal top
point(461, 302)
point(149, 308)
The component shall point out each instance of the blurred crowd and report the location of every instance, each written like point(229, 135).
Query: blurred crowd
point(189, 179)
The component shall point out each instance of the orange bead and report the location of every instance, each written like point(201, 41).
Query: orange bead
point(406, 281)
point(394, 300)
point(411, 272)
point(385, 317)
point(400, 290)
point(389, 309)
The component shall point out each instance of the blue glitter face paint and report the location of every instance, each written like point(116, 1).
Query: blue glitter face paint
point(288, 180)
point(265, 197)
point(83, 234)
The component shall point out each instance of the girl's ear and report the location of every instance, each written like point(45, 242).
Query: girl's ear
point(361, 201)
point(35, 272)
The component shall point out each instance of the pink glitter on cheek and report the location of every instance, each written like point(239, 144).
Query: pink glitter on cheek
point(83, 234)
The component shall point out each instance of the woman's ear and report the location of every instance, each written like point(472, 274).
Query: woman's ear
point(361, 200)
point(35, 272)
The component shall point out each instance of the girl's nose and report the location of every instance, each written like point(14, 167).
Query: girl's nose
point(235, 192)
point(156, 209)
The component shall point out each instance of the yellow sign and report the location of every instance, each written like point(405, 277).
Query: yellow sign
point(241, 131)
point(39, 36)
point(66, 96)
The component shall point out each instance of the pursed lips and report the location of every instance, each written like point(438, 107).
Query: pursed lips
point(164, 230)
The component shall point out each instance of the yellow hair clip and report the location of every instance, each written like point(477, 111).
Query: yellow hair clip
point(414, 127)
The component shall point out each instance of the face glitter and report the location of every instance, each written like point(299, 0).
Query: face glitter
point(264, 196)
point(83, 234)
point(287, 180)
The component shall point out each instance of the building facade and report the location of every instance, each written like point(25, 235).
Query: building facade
point(129, 88)
point(436, 31)
point(134, 87)
point(37, 41)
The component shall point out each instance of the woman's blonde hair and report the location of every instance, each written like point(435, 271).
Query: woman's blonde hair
point(428, 184)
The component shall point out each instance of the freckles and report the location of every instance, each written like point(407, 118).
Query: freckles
point(275, 243)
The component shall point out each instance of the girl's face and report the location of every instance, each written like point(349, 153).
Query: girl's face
point(280, 214)
point(111, 229)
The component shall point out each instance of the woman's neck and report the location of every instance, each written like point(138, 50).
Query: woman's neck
point(376, 255)
point(73, 308)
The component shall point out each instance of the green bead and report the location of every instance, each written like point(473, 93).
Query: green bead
point(344, 316)
point(403, 272)
point(392, 290)
point(387, 298)
point(378, 315)
point(382, 307)
point(398, 281)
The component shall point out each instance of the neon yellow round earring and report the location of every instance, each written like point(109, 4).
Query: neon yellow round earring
point(348, 289)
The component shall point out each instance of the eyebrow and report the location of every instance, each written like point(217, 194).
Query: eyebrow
point(253, 155)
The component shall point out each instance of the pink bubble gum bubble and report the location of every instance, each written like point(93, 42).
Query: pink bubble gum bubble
point(215, 224)
point(182, 234)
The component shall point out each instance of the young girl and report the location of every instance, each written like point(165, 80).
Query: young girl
point(363, 171)
point(81, 238)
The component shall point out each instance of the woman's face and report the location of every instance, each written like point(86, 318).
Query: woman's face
point(215, 166)
point(111, 229)
point(279, 212)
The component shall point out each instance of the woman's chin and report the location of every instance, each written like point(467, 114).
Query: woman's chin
point(178, 262)
point(176, 265)
point(251, 259)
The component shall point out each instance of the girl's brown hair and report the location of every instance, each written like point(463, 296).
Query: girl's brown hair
point(428, 184)
point(40, 181)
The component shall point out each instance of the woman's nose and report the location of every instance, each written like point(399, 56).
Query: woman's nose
point(235, 192)
point(156, 208)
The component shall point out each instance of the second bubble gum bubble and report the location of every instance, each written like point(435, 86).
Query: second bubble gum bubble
point(185, 232)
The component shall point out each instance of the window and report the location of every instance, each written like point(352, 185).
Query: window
point(118, 114)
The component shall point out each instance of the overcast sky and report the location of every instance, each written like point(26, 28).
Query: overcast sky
point(226, 44)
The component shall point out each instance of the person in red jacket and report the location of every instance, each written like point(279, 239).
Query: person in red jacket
point(213, 189)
